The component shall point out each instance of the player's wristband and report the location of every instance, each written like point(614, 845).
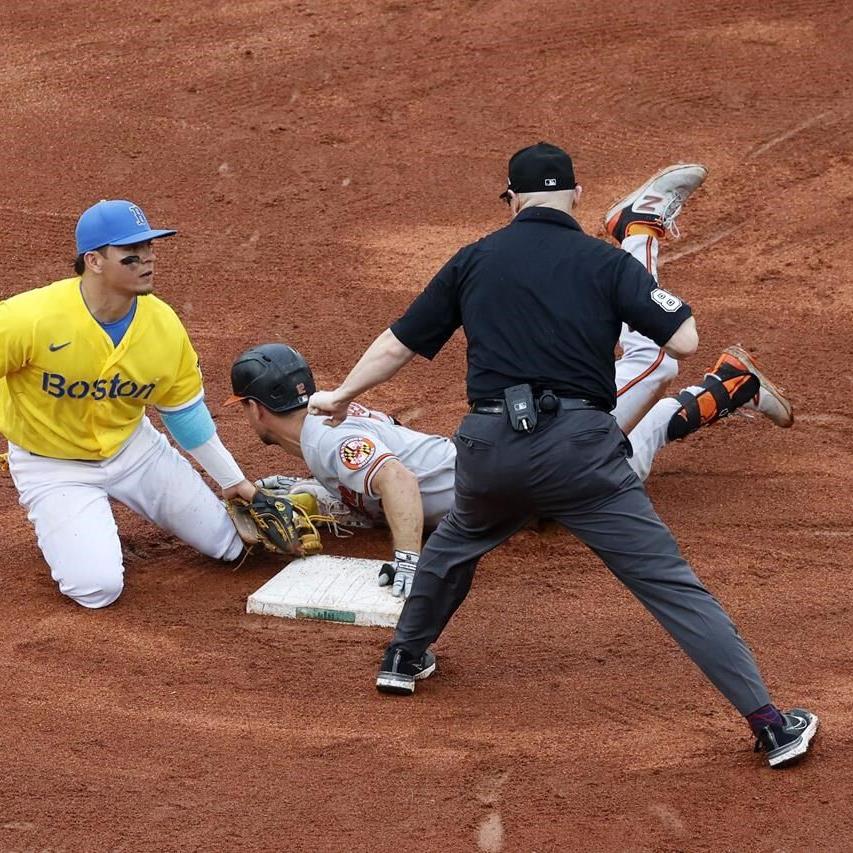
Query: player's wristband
point(406, 558)
point(218, 462)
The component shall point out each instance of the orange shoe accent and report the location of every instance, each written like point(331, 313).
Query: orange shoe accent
point(730, 359)
point(645, 229)
point(770, 400)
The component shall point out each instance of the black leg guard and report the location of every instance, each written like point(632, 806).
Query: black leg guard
point(719, 397)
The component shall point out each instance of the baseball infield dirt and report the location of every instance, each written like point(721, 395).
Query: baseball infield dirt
point(320, 161)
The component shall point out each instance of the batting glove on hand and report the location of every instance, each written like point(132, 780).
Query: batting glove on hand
point(388, 571)
point(404, 565)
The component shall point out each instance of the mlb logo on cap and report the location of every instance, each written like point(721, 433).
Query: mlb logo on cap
point(540, 168)
point(117, 222)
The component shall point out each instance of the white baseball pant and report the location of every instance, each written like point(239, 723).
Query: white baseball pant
point(644, 371)
point(68, 503)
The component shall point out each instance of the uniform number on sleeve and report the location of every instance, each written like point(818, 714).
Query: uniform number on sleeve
point(666, 300)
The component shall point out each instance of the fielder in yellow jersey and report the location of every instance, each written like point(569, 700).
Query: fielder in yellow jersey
point(80, 360)
point(68, 391)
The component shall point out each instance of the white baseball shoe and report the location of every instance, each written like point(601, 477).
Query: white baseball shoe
point(770, 400)
point(657, 203)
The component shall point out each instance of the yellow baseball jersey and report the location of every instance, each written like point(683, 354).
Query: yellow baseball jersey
point(67, 392)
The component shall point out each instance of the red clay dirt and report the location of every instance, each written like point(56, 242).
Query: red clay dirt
point(321, 160)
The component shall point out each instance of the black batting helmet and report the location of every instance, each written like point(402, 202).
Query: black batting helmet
point(275, 375)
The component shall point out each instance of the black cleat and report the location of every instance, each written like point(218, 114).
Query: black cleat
point(784, 744)
point(398, 673)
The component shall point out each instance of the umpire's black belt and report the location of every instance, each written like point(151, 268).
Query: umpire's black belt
point(497, 406)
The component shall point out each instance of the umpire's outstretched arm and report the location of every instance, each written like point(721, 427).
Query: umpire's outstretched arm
point(381, 360)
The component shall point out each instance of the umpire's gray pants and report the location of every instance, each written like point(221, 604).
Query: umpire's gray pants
point(571, 468)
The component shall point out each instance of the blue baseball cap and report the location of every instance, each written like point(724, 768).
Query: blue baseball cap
point(114, 223)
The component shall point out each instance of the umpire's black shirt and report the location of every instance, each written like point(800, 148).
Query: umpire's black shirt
point(540, 302)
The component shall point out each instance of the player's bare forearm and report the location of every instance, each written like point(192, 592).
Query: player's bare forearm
point(401, 503)
point(685, 340)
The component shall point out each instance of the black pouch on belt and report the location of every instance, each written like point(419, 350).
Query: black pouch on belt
point(520, 408)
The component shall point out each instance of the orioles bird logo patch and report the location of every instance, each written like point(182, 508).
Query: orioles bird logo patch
point(357, 452)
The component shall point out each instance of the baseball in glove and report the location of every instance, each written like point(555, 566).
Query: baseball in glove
point(277, 523)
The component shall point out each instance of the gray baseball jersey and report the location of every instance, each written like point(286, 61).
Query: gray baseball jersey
point(347, 458)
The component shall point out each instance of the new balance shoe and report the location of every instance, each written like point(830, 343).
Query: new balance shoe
point(657, 203)
point(786, 743)
point(398, 673)
point(770, 400)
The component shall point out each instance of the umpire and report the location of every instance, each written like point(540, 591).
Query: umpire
point(542, 305)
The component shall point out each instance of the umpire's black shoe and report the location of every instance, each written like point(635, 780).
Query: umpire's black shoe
point(788, 742)
point(398, 672)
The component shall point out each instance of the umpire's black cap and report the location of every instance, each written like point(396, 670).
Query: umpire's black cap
point(540, 168)
point(274, 375)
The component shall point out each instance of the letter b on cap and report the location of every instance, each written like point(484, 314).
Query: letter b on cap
point(139, 216)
